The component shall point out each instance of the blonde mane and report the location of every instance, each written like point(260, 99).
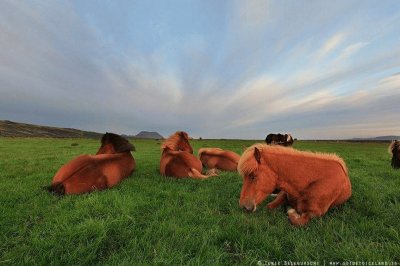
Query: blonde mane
point(172, 141)
point(210, 151)
point(248, 164)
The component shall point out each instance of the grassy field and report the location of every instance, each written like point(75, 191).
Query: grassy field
point(150, 219)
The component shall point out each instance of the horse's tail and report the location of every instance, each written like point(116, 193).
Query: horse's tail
point(57, 189)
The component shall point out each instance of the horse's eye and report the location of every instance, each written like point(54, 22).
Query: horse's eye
point(252, 177)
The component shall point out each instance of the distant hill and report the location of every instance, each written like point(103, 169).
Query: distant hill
point(148, 135)
point(14, 129)
point(380, 138)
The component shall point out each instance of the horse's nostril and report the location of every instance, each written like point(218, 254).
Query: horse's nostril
point(248, 207)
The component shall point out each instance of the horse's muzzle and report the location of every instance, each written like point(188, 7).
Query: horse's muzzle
point(249, 206)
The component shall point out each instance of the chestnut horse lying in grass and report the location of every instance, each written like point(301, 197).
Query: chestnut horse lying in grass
point(311, 183)
point(394, 149)
point(112, 163)
point(177, 158)
point(218, 158)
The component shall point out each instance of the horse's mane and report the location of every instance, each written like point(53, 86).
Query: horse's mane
point(248, 164)
point(172, 141)
point(119, 143)
point(394, 146)
point(213, 151)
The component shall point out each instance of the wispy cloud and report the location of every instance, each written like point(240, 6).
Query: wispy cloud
point(228, 69)
point(330, 45)
point(351, 49)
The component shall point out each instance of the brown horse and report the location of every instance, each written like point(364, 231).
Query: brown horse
point(218, 158)
point(394, 149)
point(177, 158)
point(112, 163)
point(311, 183)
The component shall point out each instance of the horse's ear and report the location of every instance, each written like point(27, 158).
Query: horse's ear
point(257, 155)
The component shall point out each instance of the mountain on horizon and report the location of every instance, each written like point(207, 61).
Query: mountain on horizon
point(15, 129)
point(380, 138)
point(148, 135)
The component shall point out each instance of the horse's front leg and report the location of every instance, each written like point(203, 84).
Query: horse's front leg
point(280, 199)
point(298, 219)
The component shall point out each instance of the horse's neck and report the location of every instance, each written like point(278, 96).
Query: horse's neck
point(287, 187)
point(166, 156)
point(166, 151)
point(282, 180)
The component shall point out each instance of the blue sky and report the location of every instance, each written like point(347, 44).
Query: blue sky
point(216, 69)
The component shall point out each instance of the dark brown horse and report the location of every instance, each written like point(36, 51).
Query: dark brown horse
point(112, 163)
point(394, 149)
point(177, 158)
point(279, 139)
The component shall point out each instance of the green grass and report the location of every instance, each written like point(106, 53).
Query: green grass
point(150, 219)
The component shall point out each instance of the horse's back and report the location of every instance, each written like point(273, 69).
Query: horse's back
point(221, 159)
point(88, 173)
point(116, 167)
point(322, 181)
point(80, 175)
point(233, 156)
point(88, 179)
point(229, 161)
point(71, 167)
point(181, 163)
point(335, 183)
point(208, 160)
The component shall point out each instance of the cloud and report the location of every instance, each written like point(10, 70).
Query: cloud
point(351, 49)
point(331, 44)
point(66, 70)
point(251, 16)
point(325, 115)
point(241, 71)
point(389, 84)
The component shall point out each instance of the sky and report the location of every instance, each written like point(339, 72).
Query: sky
point(216, 69)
